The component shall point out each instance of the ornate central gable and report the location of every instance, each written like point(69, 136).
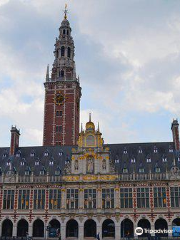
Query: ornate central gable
point(91, 157)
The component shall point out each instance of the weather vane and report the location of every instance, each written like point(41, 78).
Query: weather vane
point(65, 12)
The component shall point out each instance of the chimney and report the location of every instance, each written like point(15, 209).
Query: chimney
point(175, 133)
point(15, 133)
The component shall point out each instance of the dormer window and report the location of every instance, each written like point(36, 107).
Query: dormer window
point(133, 160)
point(8, 163)
point(42, 172)
point(22, 163)
point(4, 155)
point(60, 153)
point(125, 151)
point(125, 170)
point(170, 149)
point(141, 170)
point(18, 154)
point(157, 170)
point(148, 160)
point(155, 150)
point(32, 154)
point(51, 163)
point(46, 154)
point(67, 160)
point(140, 150)
point(164, 159)
point(116, 160)
point(36, 163)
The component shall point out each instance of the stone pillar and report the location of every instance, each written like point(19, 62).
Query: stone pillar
point(152, 228)
point(170, 228)
point(30, 230)
point(99, 230)
point(81, 232)
point(81, 198)
point(63, 231)
point(63, 197)
point(117, 231)
point(14, 230)
point(135, 226)
point(99, 198)
point(117, 198)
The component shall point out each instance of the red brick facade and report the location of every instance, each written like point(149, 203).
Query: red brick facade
point(68, 113)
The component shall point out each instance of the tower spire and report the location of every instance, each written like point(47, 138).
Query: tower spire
point(57, 99)
point(65, 12)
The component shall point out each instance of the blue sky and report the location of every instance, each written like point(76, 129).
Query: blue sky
point(127, 57)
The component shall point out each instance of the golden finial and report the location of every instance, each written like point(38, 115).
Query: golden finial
point(98, 127)
point(65, 12)
point(89, 117)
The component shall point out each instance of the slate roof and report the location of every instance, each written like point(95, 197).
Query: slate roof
point(127, 158)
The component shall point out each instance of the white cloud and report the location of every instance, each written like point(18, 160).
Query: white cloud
point(2, 2)
point(132, 62)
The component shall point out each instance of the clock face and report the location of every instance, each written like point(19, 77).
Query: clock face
point(59, 99)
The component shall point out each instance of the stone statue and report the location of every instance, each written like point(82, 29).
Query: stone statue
point(76, 165)
point(90, 165)
point(104, 164)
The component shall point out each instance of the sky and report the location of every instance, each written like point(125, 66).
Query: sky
point(127, 57)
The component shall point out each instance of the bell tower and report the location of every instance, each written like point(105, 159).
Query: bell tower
point(62, 92)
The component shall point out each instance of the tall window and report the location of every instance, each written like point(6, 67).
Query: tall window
point(59, 128)
point(23, 199)
point(143, 197)
point(54, 199)
point(59, 113)
point(90, 198)
point(159, 197)
point(62, 51)
point(62, 73)
point(8, 199)
point(72, 198)
point(69, 52)
point(39, 199)
point(175, 197)
point(126, 198)
point(108, 198)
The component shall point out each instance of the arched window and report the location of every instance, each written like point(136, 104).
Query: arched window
point(62, 73)
point(69, 52)
point(22, 228)
point(62, 51)
point(67, 32)
point(64, 31)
